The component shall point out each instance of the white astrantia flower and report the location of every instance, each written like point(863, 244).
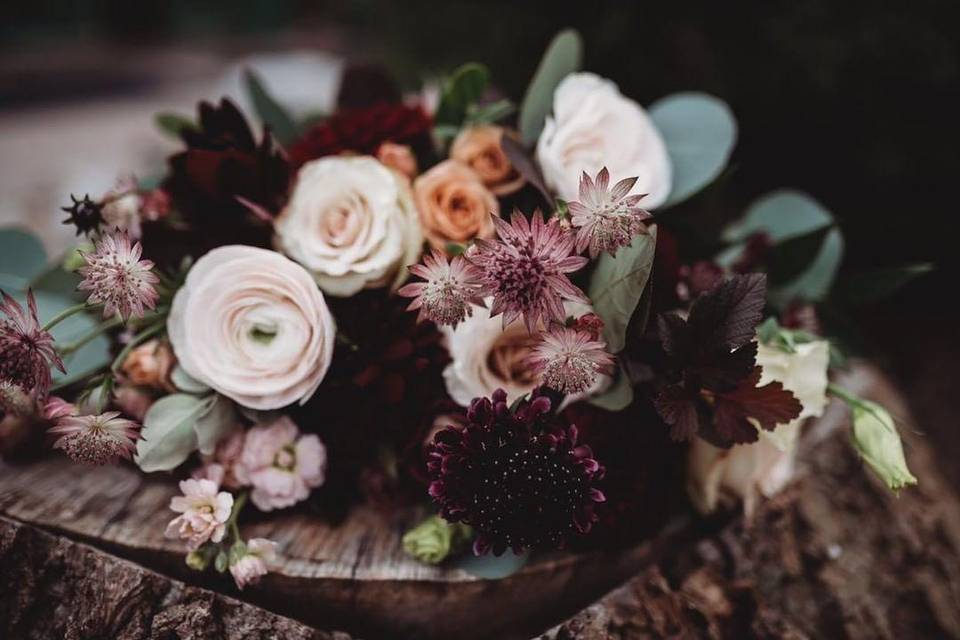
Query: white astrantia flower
point(594, 126)
point(352, 223)
point(746, 471)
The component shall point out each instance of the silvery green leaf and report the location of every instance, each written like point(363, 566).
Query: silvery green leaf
point(814, 283)
point(215, 424)
point(491, 567)
point(618, 397)
point(87, 359)
point(169, 436)
point(700, 132)
point(876, 438)
point(22, 258)
point(617, 284)
point(187, 383)
point(782, 215)
point(282, 125)
point(563, 56)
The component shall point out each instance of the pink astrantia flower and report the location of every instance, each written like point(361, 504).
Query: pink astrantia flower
point(569, 360)
point(57, 408)
point(281, 465)
point(204, 512)
point(449, 291)
point(525, 271)
point(26, 354)
point(253, 564)
point(606, 219)
point(96, 439)
point(115, 276)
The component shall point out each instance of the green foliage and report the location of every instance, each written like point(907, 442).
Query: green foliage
point(461, 92)
point(618, 397)
point(282, 125)
point(177, 425)
point(173, 124)
point(563, 56)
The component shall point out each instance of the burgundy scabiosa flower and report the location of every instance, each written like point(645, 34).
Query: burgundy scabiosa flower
point(569, 360)
point(116, 277)
point(525, 270)
point(519, 478)
point(606, 219)
point(26, 354)
point(450, 288)
point(96, 439)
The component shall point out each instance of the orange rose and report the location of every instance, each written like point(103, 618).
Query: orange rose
point(149, 365)
point(479, 148)
point(454, 205)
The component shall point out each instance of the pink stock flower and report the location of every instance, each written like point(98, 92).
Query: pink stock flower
point(450, 288)
point(569, 360)
point(204, 513)
point(253, 564)
point(525, 271)
point(222, 466)
point(115, 276)
point(96, 439)
point(26, 354)
point(281, 465)
point(606, 219)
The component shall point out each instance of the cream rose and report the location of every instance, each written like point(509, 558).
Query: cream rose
point(252, 325)
point(454, 204)
point(744, 472)
point(595, 126)
point(479, 148)
point(351, 222)
point(486, 357)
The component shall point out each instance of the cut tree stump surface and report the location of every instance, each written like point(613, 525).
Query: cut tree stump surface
point(835, 555)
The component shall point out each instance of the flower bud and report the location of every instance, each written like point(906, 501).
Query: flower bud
point(198, 560)
point(434, 539)
point(875, 436)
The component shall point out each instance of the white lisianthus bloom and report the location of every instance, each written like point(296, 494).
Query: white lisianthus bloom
point(746, 471)
point(594, 126)
point(252, 325)
point(352, 223)
point(485, 357)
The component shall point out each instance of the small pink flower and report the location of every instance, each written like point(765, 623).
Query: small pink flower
point(221, 467)
point(203, 513)
point(117, 277)
point(606, 219)
point(261, 553)
point(450, 288)
point(281, 465)
point(96, 439)
point(525, 271)
point(569, 360)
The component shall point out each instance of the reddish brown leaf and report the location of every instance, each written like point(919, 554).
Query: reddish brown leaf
point(768, 405)
point(678, 408)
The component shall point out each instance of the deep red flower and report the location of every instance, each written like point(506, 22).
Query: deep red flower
point(363, 130)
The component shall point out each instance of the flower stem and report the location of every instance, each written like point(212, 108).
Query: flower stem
point(238, 505)
point(138, 339)
point(63, 315)
point(843, 394)
point(67, 349)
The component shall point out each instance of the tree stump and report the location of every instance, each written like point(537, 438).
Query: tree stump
point(835, 555)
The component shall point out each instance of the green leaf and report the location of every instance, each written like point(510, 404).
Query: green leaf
point(491, 567)
point(455, 249)
point(617, 284)
point(790, 258)
point(618, 397)
point(563, 56)
point(461, 91)
point(281, 123)
point(183, 381)
point(22, 258)
point(814, 283)
point(169, 435)
point(174, 124)
point(222, 561)
point(876, 438)
point(700, 133)
point(872, 286)
point(490, 113)
point(215, 424)
point(91, 357)
point(782, 215)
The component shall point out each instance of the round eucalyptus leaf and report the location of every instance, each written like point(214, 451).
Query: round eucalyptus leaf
point(781, 214)
point(563, 56)
point(22, 257)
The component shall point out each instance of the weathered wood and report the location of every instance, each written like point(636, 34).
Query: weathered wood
point(51, 587)
point(835, 556)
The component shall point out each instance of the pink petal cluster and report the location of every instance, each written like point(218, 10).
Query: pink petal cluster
point(222, 466)
point(252, 565)
point(569, 360)
point(116, 277)
point(27, 353)
point(525, 270)
point(606, 218)
point(204, 513)
point(280, 464)
point(93, 439)
point(449, 290)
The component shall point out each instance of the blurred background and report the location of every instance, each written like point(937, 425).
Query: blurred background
point(855, 102)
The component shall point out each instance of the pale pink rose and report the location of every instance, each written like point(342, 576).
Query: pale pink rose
point(203, 513)
point(221, 467)
point(261, 553)
point(281, 465)
point(252, 325)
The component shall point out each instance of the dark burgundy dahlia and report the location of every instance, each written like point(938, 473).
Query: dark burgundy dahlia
point(517, 477)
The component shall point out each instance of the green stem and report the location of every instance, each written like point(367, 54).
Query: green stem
point(63, 315)
point(137, 340)
point(67, 349)
point(843, 394)
point(235, 513)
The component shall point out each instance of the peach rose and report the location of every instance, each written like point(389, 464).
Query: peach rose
point(252, 325)
point(149, 365)
point(398, 157)
point(479, 148)
point(454, 205)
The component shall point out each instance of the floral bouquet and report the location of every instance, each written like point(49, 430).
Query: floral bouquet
point(438, 298)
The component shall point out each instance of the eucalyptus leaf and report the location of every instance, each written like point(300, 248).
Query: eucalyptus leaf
point(22, 258)
point(815, 282)
point(790, 258)
point(563, 56)
point(187, 383)
point(215, 424)
point(168, 434)
point(463, 88)
point(618, 397)
point(94, 355)
point(490, 113)
point(700, 132)
point(617, 284)
point(491, 567)
point(282, 125)
point(781, 214)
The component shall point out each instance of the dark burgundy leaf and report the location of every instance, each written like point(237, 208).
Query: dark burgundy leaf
point(768, 406)
point(723, 371)
point(678, 408)
point(727, 316)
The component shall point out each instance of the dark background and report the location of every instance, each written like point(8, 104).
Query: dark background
point(855, 102)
